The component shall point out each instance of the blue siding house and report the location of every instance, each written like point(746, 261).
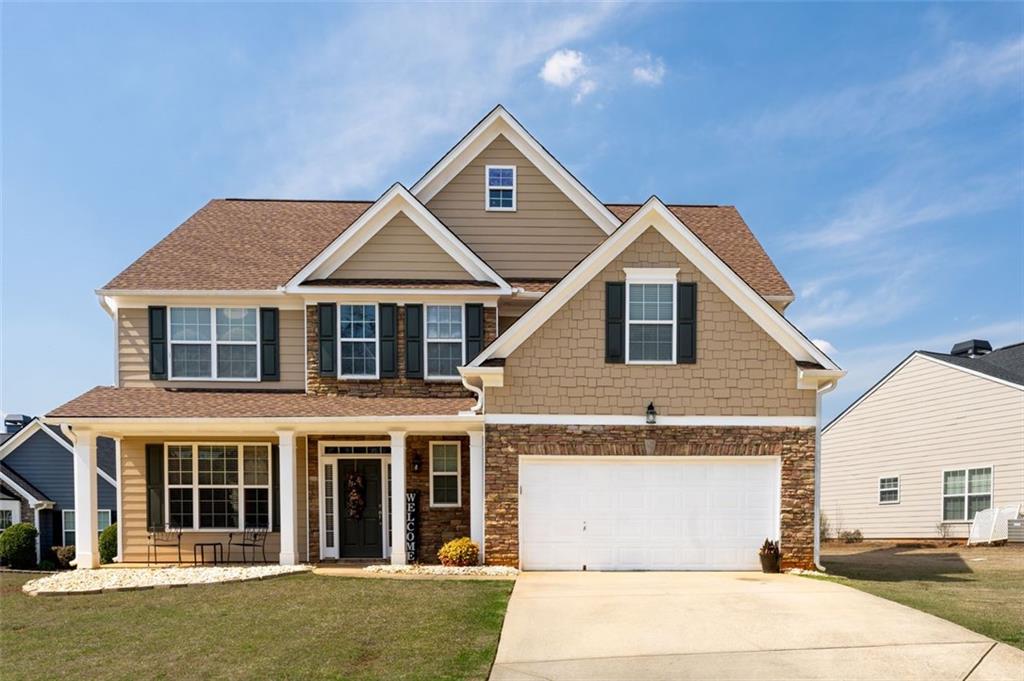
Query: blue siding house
point(37, 482)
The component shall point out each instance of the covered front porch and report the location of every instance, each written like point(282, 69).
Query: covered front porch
point(319, 489)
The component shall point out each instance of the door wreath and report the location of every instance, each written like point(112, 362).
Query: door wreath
point(355, 497)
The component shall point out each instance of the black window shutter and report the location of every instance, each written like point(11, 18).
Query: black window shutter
point(615, 322)
point(270, 344)
point(155, 486)
point(327, 331)
point(275, 492)
point(686, 324)
point(157, 342)
point(414, 341)
point(388, 340)
point(474, 330)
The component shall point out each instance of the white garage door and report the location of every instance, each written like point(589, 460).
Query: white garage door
point(646, 513)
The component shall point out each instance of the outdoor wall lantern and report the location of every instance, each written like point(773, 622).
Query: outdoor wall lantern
point(417, 463)
point(652, 414)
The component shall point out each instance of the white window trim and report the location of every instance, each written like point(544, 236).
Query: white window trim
point(213, 343)
point(488, 188)
point(457, 473)
point(333, 459)
point(653, 275)
point(376, 341)
point(966, 495)
point(14, 506)
point(899, 488)
point(426, 343)
point(64, 526)
point(241, 486)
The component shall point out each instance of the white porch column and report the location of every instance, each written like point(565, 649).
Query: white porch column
point(286, 488)
point(87, 554)
point(476, 490)
point(397, 497)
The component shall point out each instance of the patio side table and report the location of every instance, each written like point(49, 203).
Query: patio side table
point(199, 552)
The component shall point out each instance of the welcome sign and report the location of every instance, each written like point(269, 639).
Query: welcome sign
point(412, 525)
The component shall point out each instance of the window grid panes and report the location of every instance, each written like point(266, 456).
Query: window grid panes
point(965, 492)
point(218, 507)
point(444, 340)
point(214, 343)
point(358, 340)
point(444, 474)
point(889, 490)
point(69, 528)
point(219, 486)
point(6, 518)
point(651, 316)
point(501, 187)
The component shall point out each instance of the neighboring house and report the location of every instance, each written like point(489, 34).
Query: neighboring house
point(37, 482)
point(481, 354)
point(938, 439)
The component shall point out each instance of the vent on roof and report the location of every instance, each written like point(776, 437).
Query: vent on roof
point(15, 422)
point(971, 348)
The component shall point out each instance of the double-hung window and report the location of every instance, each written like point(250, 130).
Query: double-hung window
point(965, 492)
point(214, 343)
point(444, 341)
point(889, 490)
point(650, 316)
point(501, 188)
point(103, 521)
point(445, 471)
point(359, 341)
point(218, 486)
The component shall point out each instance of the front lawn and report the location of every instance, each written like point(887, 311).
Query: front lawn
point(978, 587)
point(303, 626)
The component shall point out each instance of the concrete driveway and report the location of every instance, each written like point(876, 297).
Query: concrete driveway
point(738, 625)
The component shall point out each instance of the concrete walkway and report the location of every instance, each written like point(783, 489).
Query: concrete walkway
point(741, 625)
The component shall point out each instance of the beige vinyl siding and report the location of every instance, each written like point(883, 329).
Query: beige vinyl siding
point(401, 250)
point(928, 417)
point(133, 518)
point(544, 237)
point(133, 355)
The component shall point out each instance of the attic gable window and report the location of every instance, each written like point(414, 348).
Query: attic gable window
point(651, 316)
point(501, 188)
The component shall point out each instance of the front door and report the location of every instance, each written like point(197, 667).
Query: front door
point(360, 513)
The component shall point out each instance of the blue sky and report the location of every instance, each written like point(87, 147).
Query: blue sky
point(876, 150)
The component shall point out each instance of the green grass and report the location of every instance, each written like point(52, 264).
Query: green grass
point(977, 588)
point(303, 626)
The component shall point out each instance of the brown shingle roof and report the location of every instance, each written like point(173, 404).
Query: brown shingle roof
point(108, 402)
point(237, 244)
point(724, 231)
point(534, 285)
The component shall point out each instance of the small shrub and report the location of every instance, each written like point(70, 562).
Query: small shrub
point(459, 552)
point(943, 530)
point(108, 544)
point(824, 528)
point(65, 554)
point(47, 564)
point(18, 546)
point(853, 537)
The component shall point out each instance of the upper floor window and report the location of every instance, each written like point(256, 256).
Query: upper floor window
point(214, 343)
point(501, 188)
point(965, 492)
point(651, 316)
point(889, 490)
point(444, 341)
point(359, 341)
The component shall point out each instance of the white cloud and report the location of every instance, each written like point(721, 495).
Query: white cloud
point(586, 87)
point(563, 68)
point(650, 73)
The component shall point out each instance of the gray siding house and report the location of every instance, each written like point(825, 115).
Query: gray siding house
point(37, 482)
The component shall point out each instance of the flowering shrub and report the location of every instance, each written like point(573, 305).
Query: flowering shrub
point(459, 553)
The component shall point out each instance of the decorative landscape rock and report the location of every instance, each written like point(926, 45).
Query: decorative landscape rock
point(128, 579)
point(475, 570)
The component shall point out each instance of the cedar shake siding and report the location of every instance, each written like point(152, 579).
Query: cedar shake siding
point(740, 370)
point(133, 354)
point(400, 386)
point(133, 497)
point(400, 250)
point(545, 236)
point(506, 443)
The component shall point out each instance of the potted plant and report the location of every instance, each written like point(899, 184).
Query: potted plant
point(771, 557)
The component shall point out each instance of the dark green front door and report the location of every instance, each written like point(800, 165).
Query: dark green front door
point(361, 523)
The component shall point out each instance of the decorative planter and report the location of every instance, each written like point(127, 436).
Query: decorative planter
point(770, 563)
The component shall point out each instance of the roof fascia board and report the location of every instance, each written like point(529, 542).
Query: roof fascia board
point(25, 433)
point(654, 214)
point(188, 298)
point(500, 121)
point(403, 293)
point(33, 501)
point(268, 426)
point(396, 200)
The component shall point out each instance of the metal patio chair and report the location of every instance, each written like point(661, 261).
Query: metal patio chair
point(250, 538)
point(169, 536)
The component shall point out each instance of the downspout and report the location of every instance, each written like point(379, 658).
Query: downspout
point(120, 505)
point(828, 387)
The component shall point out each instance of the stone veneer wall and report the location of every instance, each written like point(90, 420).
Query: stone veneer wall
point(505, 443)
point(437, 525)
point(385, 387)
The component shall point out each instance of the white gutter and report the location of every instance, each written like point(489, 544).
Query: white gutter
point(828, 387)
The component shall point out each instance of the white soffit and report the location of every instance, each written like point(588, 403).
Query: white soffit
point(655, 214)
point(501, 122)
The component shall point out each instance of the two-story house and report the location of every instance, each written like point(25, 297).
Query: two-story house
point(492, 352)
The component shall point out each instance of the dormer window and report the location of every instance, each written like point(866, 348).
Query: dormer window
point(501, 188)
